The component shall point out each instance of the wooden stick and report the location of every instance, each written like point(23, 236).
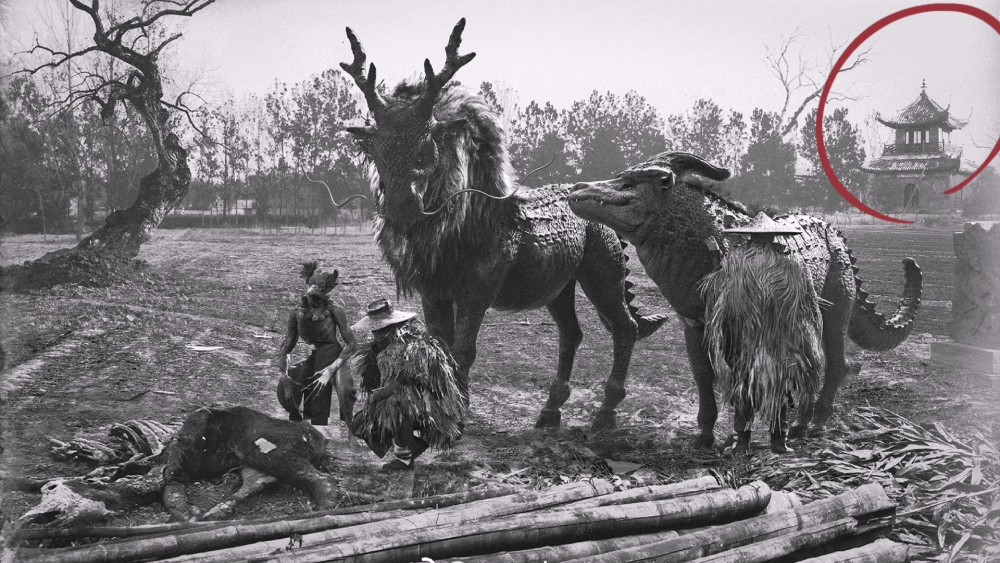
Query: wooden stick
point(653, 492)
point(879, 551)
point(864, 503)
point(525, 531)
point(314, 530)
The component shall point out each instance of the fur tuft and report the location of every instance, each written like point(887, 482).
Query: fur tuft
point(763, 331)
point(475, 158)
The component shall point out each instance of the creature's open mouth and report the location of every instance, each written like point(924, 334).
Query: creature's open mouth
point(605, 206)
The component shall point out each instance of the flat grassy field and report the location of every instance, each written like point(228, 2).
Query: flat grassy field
point(79, 359)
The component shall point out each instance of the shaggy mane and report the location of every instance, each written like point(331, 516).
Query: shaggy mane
point(475, 158)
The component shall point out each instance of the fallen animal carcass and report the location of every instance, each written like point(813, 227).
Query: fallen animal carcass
point(150, 462)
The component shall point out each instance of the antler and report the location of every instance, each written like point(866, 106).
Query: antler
point(356, 69)
point(453, 62)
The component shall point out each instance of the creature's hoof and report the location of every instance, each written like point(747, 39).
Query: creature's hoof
point(704, 440)
point(549, 419)
point(797, 432)
point(605, 420)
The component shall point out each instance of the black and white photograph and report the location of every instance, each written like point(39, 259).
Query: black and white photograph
point(444, 281)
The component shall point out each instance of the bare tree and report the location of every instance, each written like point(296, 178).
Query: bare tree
point(137, 42)
point(803, 79)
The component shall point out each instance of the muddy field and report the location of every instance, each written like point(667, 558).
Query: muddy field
point(79, 359)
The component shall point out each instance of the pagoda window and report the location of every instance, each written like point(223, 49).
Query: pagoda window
point(916, 137)
point(927, 136)
point(907, 137)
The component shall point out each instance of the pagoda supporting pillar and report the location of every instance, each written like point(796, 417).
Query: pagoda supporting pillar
point(975, 325)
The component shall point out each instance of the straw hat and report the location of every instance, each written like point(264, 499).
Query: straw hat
point(380, 314)
point(764, 225)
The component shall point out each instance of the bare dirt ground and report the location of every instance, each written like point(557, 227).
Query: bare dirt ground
point(79, 359)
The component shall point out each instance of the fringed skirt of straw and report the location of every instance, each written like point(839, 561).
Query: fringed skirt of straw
point(764, 331)
point(427, 392)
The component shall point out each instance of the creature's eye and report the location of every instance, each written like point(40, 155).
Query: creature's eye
point(628, 186)
point(667, 181)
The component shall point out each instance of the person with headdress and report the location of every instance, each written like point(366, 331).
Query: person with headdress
point(763, 327)
point(303, 389)
point(409, 380)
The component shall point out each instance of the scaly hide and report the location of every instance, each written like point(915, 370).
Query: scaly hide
point(763, 330)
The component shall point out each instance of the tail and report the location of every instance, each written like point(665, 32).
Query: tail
point(647, 324)
point(870, 329)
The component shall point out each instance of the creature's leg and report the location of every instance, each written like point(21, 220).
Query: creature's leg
point(704, 377)
point(837, 367)
point(610, 303)
point(839, 290)
point(297, 472)
point(253, 482)
point(439, 316)
point(468, 320)
point(176, 501)
point(563, 311)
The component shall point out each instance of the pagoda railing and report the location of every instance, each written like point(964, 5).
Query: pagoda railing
point(921, 148)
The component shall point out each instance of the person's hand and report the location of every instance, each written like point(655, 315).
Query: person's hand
point(323, 378)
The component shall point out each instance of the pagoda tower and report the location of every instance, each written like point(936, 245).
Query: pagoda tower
point(915, 170)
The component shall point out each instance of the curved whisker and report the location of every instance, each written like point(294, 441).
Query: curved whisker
point(330, 193)
point(470, 190)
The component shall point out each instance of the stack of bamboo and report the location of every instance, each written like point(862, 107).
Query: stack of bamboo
point(579, 521)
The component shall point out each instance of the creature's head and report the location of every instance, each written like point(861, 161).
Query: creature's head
point(639, 200)
point(319, 284)
point(405, 144)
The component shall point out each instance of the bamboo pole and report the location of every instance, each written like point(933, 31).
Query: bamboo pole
point(436, 501)
point(769, 550)
point(568, 551)
point(264, 538)
point(864, 503)
point(652, 492)
point(525, 531)
point(879, 551)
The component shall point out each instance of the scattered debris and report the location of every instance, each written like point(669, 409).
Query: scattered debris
point(948, 486)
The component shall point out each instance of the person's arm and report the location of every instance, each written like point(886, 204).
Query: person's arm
point(350, 344)
point(383, 393)
point(291, 338)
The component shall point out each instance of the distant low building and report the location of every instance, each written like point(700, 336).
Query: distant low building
point(915, 170)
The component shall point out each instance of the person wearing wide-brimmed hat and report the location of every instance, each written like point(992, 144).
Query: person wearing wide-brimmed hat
point(410, 379)
point(763, 327)
point(303, 388)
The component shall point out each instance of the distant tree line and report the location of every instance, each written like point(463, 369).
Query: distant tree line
point(61, 166)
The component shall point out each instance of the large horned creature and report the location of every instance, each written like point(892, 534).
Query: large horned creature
point(514, 251)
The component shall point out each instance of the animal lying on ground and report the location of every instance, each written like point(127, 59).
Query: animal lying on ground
point(505, 250)
point(210, 443)
point(666, 207)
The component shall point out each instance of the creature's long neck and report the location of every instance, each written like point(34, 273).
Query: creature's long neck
point(674, 251)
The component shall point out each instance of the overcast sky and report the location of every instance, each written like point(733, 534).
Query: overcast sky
point(671, 52)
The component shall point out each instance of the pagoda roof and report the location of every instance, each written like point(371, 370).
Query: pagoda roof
point(918, 163)
point(923, 111)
